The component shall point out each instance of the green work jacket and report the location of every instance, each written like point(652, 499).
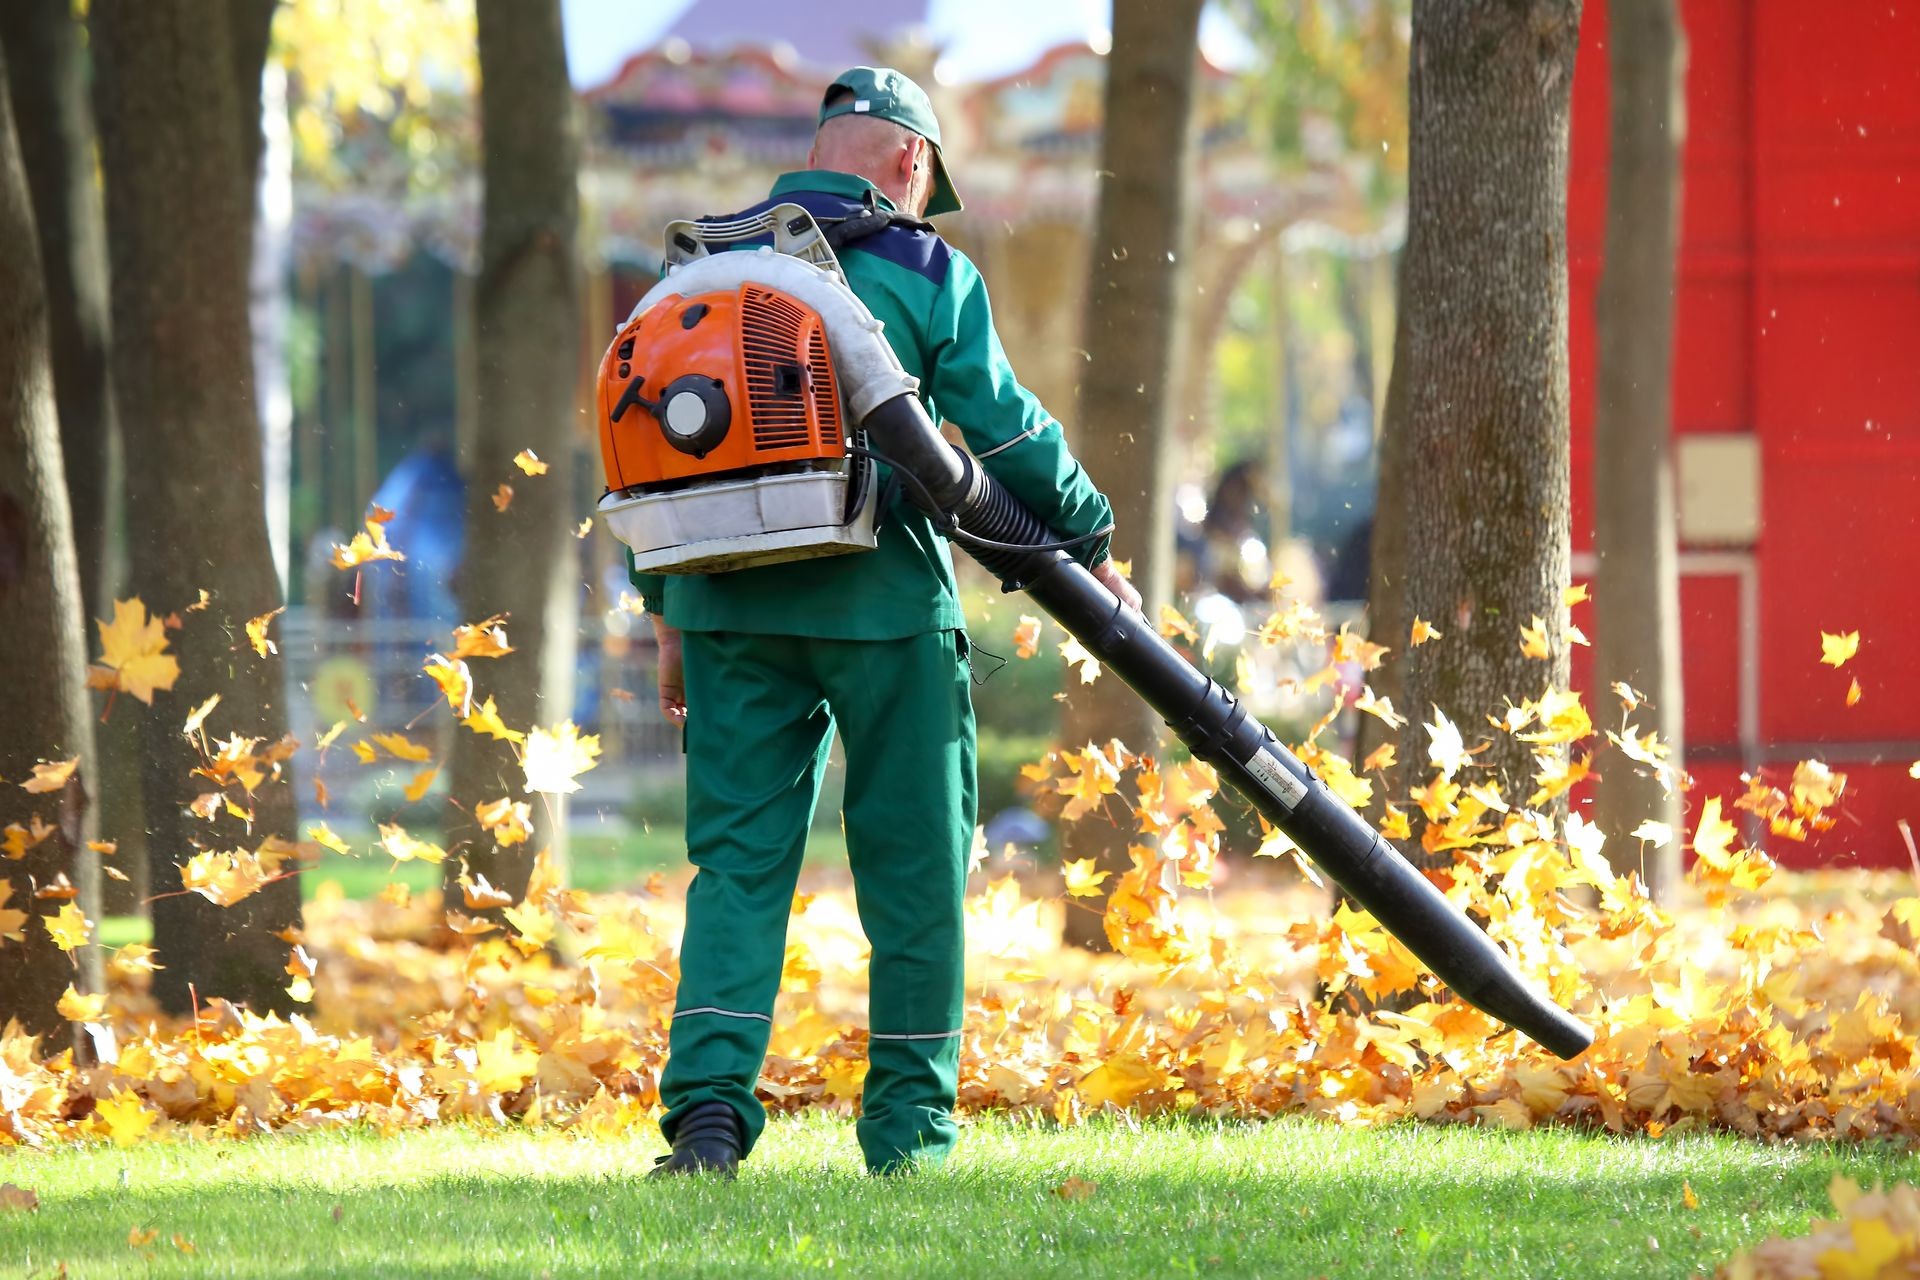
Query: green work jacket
point(934, 306)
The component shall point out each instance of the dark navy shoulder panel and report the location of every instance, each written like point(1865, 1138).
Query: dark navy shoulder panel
point(922, 252)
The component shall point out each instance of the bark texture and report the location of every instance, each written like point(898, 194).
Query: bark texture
point(1134, 329)
point(1474, 468)
point(47, 81)
point(43, 700)
point(1635, 541)
point(179, 224)
point(527, 335)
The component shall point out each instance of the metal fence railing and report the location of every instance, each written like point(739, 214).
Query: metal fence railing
point(369, 671)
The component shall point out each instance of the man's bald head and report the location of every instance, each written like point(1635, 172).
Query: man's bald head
point(892, 157)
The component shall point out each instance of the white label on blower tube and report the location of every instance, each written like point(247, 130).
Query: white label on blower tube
point(1277, 778)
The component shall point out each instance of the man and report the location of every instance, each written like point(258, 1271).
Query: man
point(759, 666)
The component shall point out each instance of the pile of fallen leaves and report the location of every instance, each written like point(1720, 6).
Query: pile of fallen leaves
point(1876, 1235)
point(1751, 1009)
point(1772, 1014)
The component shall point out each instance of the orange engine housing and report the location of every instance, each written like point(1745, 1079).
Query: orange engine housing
point(762, 350)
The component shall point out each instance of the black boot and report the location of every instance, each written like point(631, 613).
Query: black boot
point(708, 1139)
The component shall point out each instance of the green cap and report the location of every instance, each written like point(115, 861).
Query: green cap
point(884, 92)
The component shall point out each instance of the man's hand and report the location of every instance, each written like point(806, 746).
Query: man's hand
point(673, 684)
point(1111, 579)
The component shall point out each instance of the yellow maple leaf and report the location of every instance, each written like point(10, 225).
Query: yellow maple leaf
point(1657, 834)
point(455, 681)
point(1377, 706)
point(484, 639)
point(1026, 636)
point(197, 718)
point(50, 777)
point(224, 877)
point(534, 926)
point(586, 527)
point(322, 834)
point(1082, 877)
point(367, 546)
point(1173, 623)
point(13, 922)
point(1094, 775)
point(510, 820)
point(18, 839)
point(68, 927)
point(75, 1007)
point(502, 1064)
point(417, 789)
point(555, 758)
point(124, 1116)
point(406, 848)
point(1714, 834)
point(528, 462)
point(1077, 657)
point(134, 649)
point(1447, 750)
point(480, 894)
point(1533, 639)
point(1836, 649)
point(1422, 632)
point(257, 632)
point(486, 719)
point(402, 747)
point(1381, 758)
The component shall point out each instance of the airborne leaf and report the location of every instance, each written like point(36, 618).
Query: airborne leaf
point(1836, 649)
point(257, 632)
point(556, 757)
point(135, 651)
point(50, 777)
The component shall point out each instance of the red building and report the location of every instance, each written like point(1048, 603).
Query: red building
point(1796, 398)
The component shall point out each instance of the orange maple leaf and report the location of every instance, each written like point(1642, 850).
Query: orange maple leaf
point(135, 651)
point(257, 632)
point(50, 777)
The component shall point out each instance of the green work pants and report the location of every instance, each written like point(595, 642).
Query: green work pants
point(761, 711)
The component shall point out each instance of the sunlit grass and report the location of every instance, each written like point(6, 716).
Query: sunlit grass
point(1288, 1198)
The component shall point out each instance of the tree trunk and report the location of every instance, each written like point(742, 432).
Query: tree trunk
point(1637, 578)
point(1474, 474)
point(179, 223)
point(47, 78)
point(521, 561)
point(43, 699)
point(1134, 329)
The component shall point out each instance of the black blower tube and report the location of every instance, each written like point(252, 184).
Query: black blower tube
point(1216, 727)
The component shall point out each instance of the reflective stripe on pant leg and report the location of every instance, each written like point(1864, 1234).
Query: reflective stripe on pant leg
point(756, 746)
point(906, 718)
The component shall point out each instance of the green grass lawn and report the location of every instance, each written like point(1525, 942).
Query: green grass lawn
point(1290, 1198)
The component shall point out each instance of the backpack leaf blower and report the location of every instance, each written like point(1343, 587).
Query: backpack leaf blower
point(743, 408)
